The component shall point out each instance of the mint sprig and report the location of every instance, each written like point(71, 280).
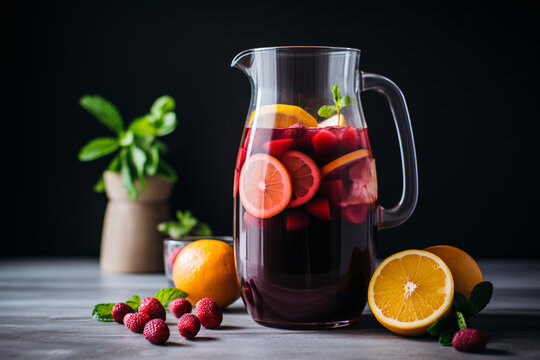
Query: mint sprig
point(445, 328)
point(103, 311)
point(185, 224)
point(340, 102)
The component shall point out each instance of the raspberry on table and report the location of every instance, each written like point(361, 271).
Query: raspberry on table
point(119, 311)
point(179, 307)
point(136, 321)
point(209, 313)
point(469, 340)
point(189, 325)
point(153, 308)
point(156, 331)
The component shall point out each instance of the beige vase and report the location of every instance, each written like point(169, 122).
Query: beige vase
point(130, 241)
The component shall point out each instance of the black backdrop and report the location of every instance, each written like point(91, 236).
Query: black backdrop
point(468, 74)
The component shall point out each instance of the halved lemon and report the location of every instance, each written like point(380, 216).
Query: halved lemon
point(280, 116)
point(411, 290)
point(265, 186)
point(334, 120)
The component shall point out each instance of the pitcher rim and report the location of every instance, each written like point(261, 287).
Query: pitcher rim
point(293, 47)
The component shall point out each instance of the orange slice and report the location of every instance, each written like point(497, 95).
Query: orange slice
point(280, 116)
point(346, 159)
point(334, 121)
point(265, 186)
point(305, 176)
point(411, 290)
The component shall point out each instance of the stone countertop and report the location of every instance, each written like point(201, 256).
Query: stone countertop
point(46, 304)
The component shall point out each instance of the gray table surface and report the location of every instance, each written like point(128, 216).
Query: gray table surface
point(45, 307)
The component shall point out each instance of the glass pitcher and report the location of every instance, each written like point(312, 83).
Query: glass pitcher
point(305, 186)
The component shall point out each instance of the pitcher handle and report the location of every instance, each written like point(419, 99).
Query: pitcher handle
point(388, 218)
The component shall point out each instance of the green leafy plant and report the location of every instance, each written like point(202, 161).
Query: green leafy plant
point(184, 225)
point(103, 311)
point(465, 309)
point(137, 152)
point(339, 103)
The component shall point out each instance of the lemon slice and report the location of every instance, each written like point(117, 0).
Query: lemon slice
point(334, 120)
point(411, 290)
point(280, 116)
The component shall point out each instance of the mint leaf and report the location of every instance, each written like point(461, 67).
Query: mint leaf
point(439, 326)
point(104, 111)
point(134, 302)
point(162, 105)
point(335, 92)
point(344, 101)
point(445, 339)
point(202, 229)
point(103, 312)
point(480, 296)
point(462, 304)
point(168, 125)
point(166, 295)
point(98, 148)
point(127, 180)
point(461, 320)
point(326, 111)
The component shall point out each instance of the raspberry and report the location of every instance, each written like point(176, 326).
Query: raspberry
point(277, 147)
point(319, 208)
point(350, 140)
point(179, 307)
point(152, 307)
point(119, 311)
point(324, 142)
point(136, 322)
point(189, 325)
point(156, 331)
point(209, 313)
point(469, 340)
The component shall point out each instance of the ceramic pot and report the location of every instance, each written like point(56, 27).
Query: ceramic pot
point(130, 240)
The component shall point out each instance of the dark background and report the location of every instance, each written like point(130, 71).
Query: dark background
point(469, 75)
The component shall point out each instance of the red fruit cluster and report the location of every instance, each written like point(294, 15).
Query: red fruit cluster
point(150, 320)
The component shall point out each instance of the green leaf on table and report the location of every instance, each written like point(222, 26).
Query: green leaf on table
point(166, 295)
point(103, 312)
point(461, 304)
point(162, 105)
point(480, 296)
point(461, 320)
point(166, 171)
point(104, 111)
point(202, 229)
point(98, 148)
point(127, 179)
point(134, 302)
point(168, 125)
point(445, 338)
point(439, 326)
point(153, 162)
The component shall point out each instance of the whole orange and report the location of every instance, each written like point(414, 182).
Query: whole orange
point(464, 269)
point(205, 268)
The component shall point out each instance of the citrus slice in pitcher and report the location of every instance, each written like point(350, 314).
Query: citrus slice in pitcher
point(334, 120)
point(305, 177)
point(280, 116)
point(345, 160)
point(411, 290)
point(265, 186)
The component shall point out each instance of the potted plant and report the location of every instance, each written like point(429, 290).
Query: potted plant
point(137, 181)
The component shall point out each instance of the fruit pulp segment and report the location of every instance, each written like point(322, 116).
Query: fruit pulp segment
point(409, 288)
point(312, 261)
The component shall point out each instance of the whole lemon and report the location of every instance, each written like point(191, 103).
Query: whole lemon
point(205, 268)
point(464, 269)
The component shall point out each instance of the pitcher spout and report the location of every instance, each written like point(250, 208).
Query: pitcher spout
point(243, 60)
